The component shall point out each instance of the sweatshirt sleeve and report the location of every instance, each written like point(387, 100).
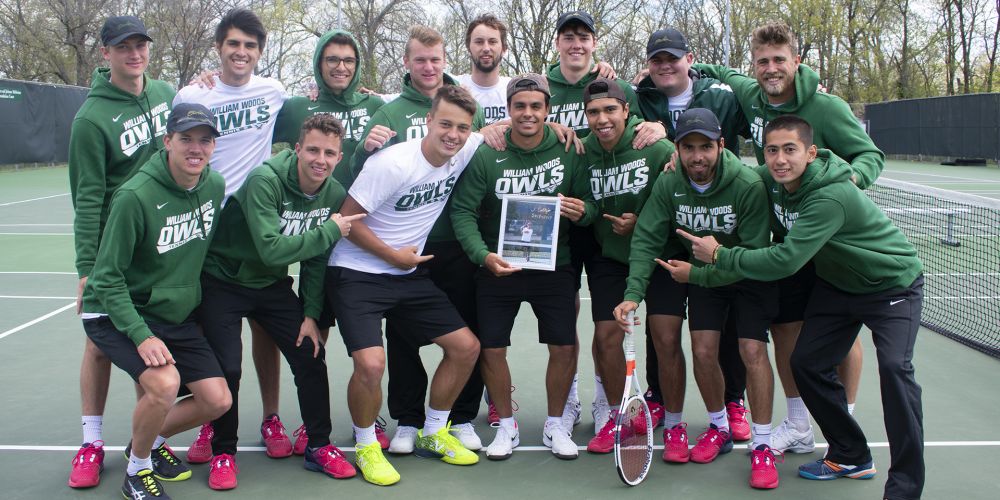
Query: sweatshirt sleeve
point(124, 230)
point(743, 85)
point(469, 193)
point(653, 230)
point(360, 154)
point(842, 134)
point(88, 184)
point(753, 231)
point(581, 189)
point(261, 208)
point(817, 223)
point(633, 101)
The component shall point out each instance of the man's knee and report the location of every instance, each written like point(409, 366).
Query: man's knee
point(161, 384)
point(369, 366)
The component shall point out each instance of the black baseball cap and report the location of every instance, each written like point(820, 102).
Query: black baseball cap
point(526, 82)
point(698, 121)
point(577, 16)
point(118, 28)
point(186, 116)
point(603, 87)
point(667, 40)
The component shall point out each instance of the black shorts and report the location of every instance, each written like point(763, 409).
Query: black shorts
point(583, 248)
point(550, 293)
point(793, 294)
point(360, 300)
point(754, 303)
point(193, 357)
point(607, 279)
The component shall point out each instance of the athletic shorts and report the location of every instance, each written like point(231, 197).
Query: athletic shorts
point(550, 294)
point(793, 294)
point(193, 357)
point(360, 300)
point(755, 303)
point(583, 248)
point(607, 279)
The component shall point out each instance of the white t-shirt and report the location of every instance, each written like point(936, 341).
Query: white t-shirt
point(403, 195)
point(492, 99)
point(680, 103)
point(245, 117)
point(526, 234)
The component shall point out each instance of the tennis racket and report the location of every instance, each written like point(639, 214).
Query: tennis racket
point(633, 450)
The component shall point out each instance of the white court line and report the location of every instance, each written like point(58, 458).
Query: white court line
point(37, 320)
point(937, 444)
point(904, 172)
point(33, 199)
point(36, 234)
point(37, 272)
point(34, 225)
point(34, 297)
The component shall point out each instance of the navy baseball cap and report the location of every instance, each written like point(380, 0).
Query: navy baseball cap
point(667, 40)
point(117, 29)
point(698, 121)
point(578, 16)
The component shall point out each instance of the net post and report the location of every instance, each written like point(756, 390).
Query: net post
point(949, 238)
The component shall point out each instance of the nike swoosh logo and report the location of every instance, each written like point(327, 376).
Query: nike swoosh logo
point(286, 203)
point(161, 206)
point(894, 302)
point(678, 195)
point(501, 160)
point(774, 190)
point(115, 119)
point(754, 106)
point(411, 115)
point(310, 108)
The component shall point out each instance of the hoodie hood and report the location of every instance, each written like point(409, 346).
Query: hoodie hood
point(826, 169)
point(285, 166)
point(350, 95)
point(555, 76)
point(158, 169)
point(411, 94)
point(591, 143)
point(806, 83)
point(726, 169)
point(100, 86)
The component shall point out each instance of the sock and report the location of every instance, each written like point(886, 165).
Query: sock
point(136, 464)
point(850, 408)
point(670, 420)
point(364, 436)
point(508, 423)
point(761, 435)
point(158, 442)
point(557, 421)
point(798, 414)
point(720, 419)
point(435, 420)
point(92, 428)
point(574, 394)
point(599, 394)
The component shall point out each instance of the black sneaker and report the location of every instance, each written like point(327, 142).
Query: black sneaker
point(166, 465)
point(143, 486)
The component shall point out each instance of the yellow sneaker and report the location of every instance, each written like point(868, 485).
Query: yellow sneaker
point(374, 467)
point(442, 444)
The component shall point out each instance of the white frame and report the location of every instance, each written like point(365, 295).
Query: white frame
point(502, 242)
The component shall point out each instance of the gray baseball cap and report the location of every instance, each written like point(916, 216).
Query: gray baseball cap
point(526, 82)
point(117, 29)
point(186, 116)
point(698, 121)
point(667, 40)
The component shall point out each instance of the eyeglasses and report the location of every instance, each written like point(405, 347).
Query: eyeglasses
point(349, 62)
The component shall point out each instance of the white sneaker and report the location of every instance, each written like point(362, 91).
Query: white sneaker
point(504, 443)
point(466, 434)
point(402, 442)
point(788, 439)
point(559, 439)
point(571, 414)
point(601, 411)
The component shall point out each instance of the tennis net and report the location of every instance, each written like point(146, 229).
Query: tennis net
point(958, 239)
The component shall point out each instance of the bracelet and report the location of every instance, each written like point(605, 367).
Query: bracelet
point(715, 254)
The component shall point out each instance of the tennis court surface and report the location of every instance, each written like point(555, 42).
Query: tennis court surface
point(41, 340)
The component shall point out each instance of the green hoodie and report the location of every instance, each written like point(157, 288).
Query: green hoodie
point(834, 125)
point(707, 93)
point(546, 170)
point(733, 210)
point(149, 264)
point(351, 107)
point(114, 133)
point(620, 181)
point(269, 224)
point(854, 246)
point(566, 103)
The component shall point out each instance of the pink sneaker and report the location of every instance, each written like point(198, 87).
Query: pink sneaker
point(492, 417)
point(656, 413)
point(711, 444)
point(301, 440)
point(604, 441)
point(87, 465)
point(383, 440)
point(200, 451)
point(763, 473)
point(222, 475)
point(739, 427)
point(675, 444)
point(330, 461)
point(275, 440)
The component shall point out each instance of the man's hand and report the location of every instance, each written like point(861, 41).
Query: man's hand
point(571, 208)
point(679, 270)
point(566, 136)
point(311, 331)
point(621, 314)
point(604, 70)
point(312, 92)
point(647, 133)
point(637, 79)
point(379, 135)
point(671, 165)
point(703, 248)
point(344, 222)
point(493, 135)
point(498, 266)
point(407, 258)
point(206, 79)
point(155, 353)
point(79, 295)
point(624, 225)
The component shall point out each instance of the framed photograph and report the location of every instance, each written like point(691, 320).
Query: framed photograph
point(529, 231)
